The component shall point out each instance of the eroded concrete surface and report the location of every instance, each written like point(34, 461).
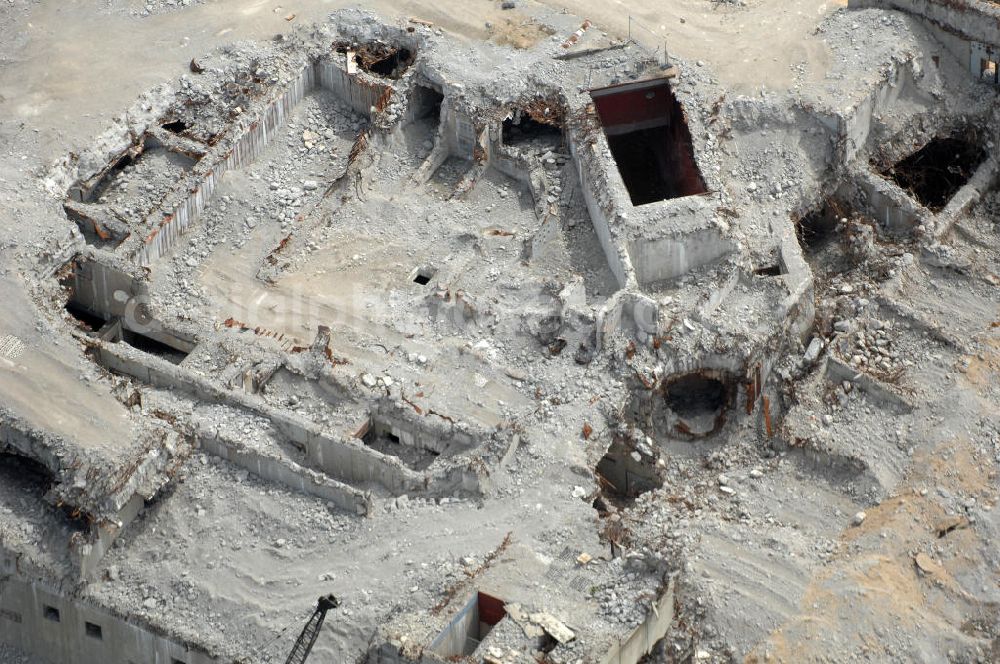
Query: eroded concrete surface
point(305, 299)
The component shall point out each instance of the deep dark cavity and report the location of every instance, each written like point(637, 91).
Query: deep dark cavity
point(934, 173)
point(650, 141)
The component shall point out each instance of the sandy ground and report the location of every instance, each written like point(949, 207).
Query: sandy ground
point(74, 67)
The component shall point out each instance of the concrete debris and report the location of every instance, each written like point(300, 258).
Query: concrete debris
point(529, 338)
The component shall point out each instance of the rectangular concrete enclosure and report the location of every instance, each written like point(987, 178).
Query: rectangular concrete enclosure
point(467, 630)
point(650, 140)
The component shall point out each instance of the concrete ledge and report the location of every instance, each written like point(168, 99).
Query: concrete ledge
point(838, 371)
point(285, 472)
point(344, 460)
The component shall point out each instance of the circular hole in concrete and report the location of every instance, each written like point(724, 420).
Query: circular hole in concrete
point(699, 400)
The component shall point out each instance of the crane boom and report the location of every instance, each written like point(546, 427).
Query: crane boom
point(307, 639)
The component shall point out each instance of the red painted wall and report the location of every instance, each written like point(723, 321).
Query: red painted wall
point(632, 106)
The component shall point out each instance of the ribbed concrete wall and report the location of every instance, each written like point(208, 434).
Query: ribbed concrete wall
point(256, 136)
point(251, 143)
point(358, 95)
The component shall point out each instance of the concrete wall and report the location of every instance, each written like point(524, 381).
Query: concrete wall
point(88, 555)
point(285, 472)
point(357, 92)
point(593, 179)
point(23, 624)
point(982, 181)
point(887, 203)
point(105, 290)
point(671, 257)
point(641, 641)
point(454, 638)
point(347, 461)
point(857, 125)
point(447, 440)
point(253, 138)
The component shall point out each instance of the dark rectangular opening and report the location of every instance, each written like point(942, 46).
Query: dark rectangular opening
point(94, 631)
point(380, 58)
point(153, 346)
point(380, 437)
point(623, 479)
point(175, 126)
point(769, 271)
point(427, 103)
point(649, 138)
point(934, 173)
point(51, 613)
point(818, 229)
point(174, 660)
point(86, 319)
point(462, 636)
point(423, 275)
point(522, 129)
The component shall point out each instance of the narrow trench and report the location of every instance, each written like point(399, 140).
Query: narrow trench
point(91, 323)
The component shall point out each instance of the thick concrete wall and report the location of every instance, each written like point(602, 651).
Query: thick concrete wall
point(88, 555)
point(586, 156)
point(106, 291)
point(24, 624)
point(857, 126)
point(640, 643)
point(356, 92)
point(889, 204)
point(349, 461)
point(287, 473)
point(981, 181)
point(440, 441)
point(671, 257)
point(453, 639)
point(253, 139)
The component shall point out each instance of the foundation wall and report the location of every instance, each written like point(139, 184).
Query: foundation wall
point(89, 555)
point(857, 126)
point(981, 182)
point(669, 258)
point(585, 155)
point(24, 625)
point(640, 643)
point(346, 462)
point(286, 473)
point(414, 436)
point(104, 290)
point(889, 204)
point(359, 95)
point(254, 138)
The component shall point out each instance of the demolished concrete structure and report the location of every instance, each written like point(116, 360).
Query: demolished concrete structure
point(542, 354)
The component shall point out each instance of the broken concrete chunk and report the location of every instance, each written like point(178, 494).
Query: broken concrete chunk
point(814, 349)
point(553, 627)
